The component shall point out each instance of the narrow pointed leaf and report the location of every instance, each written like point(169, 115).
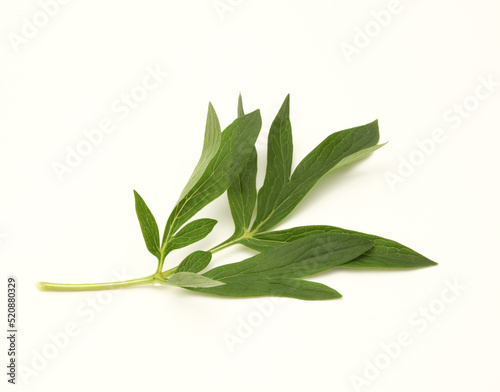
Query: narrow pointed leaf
point(357, 156)
point(211, 145)
point(256, 286)
point(274, 273)
point(195, 262)
point(279, 161)
point(193, 232)
point(242, 194)
point(384, 254)
point(241, 112)
point(297, 259)
point(190, 279)
point(237, 143)
point(148, 225)
point(314, 166)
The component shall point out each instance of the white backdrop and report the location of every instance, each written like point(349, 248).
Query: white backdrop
point(430, 72)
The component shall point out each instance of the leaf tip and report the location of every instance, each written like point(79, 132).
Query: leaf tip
point(285, 107)
point(373, 126)
point(241, 111)
point(255, 113)
point(212, 222)
point(424, 262)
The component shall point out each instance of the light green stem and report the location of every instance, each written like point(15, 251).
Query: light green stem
point(231, 241)
point(222, 246)
point(157, 277)
point(167, 273)
point(46, 286)
point(161, 260)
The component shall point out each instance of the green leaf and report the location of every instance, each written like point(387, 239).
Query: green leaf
point(193, 232)
point(314, 166)
point(190, 279)
point(297, 259)
point(256, 286)
point(237, 143)
point(357, 156)
point(241, 112)
point(148, 225)
point(279, 161)
point(384, 254)
point(242, 194)
point(274, 272)
point(195, 262)
point(211, 145)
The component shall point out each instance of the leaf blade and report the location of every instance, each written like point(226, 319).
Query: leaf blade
point(279, 161)
point(357, 156)
point(241, 111)
point(297, 259)
point(211, 145)
point(192, 232)
point(242, 194)
point(286, 287)
point(148, 225)
point(314, 166)
point(190, 279)
point(384, 254)
point(238, 139)
point(195, 262)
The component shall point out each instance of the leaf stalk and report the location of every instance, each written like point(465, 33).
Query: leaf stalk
point(47, 286)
